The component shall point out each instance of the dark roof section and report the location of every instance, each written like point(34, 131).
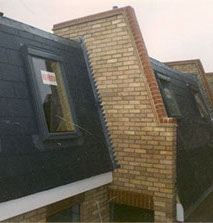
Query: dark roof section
point(204, 85)
point(183, 86)
point(27, 164)
point(30, 29)
point(194, 155)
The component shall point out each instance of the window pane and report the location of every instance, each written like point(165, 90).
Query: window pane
point(169, 99)
point(201, 107)
point(68, 215)
point(53, 95)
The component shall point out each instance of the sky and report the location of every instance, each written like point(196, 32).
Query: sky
point(172, 29)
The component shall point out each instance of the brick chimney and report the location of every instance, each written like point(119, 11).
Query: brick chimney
point(142, 134)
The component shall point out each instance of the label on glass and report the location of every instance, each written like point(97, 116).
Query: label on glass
point(48, 78)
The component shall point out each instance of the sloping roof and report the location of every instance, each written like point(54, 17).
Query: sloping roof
point(28, 164)
point(195, 66)
point(194, 166)
point(183, 86)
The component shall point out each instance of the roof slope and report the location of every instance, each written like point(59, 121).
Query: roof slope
point(183, 86)
point(194, 166)
point(195, 66)
point(28, 164)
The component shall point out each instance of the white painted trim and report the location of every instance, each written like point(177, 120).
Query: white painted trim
point(179, 212)
point(22, 205)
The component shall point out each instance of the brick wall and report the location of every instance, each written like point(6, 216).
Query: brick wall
point(185, 68)
point(38, 215)
point(195, 67)
point(94, 207)
point(209, 77)
point(143, 136)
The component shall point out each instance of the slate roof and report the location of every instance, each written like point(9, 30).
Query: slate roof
point(28, 164)
point(194, 155)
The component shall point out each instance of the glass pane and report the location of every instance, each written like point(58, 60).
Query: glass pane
point(201, 107)
point(68, 215)
point(169, 98)
point(53, 95)
point(62, 216)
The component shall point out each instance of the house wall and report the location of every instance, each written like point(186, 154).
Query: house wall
point(143, 136)
point(185, 68)
point(94, 207)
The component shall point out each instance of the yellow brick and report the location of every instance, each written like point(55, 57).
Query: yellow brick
point(145, 148)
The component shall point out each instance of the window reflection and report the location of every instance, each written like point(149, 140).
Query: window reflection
point(201, 107)
point(53, 95)
point(169, 99)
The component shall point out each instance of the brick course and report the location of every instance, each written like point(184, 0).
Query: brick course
point(142, 134)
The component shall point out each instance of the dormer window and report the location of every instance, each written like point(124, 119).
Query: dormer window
point(53, 95)
point(50, 91)
point(168, 96)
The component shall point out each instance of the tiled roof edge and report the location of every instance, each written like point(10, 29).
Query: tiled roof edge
point(99, 106)
point(159, 63)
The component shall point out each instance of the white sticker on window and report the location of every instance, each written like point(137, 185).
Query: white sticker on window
point(48, 78)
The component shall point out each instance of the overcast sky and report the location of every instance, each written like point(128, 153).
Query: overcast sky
point(172, 29)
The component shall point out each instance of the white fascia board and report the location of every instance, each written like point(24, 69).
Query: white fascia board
point(23, 205)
